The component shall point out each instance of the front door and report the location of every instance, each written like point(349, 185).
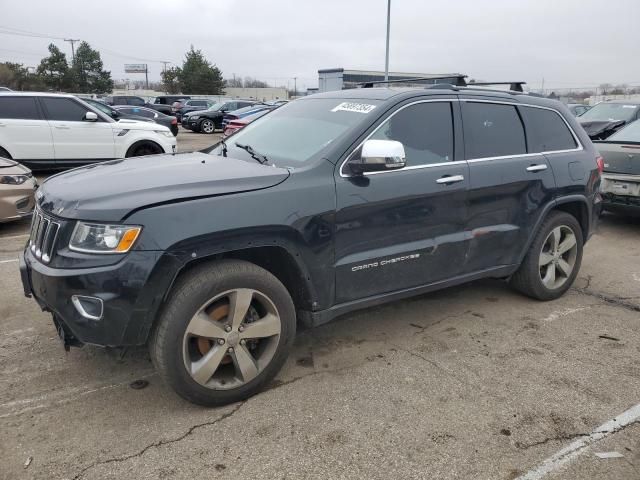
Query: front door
point(75, 140)
point(510, 183)
point(404, 228)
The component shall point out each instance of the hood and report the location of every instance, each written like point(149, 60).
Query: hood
point(131, 124)
point(11, 167)
point(5, 163)
point(195, 112)
point(108, 191)
point(601, 129)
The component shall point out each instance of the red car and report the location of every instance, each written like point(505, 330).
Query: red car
point(234, 125)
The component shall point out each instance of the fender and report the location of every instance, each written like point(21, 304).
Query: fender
point(549, 206)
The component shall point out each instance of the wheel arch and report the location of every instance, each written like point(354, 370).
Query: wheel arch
point(140, 142)
point(2, 148)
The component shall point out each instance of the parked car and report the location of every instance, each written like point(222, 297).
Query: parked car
point(577, 108)
point(234, 125)
point(136, 101)
point(191, 105)
point(332, 203)
point(112, 112)
point(17, 188)
point(168, 121)
point(621, 178)
point(53, 131)
point(605, 118)
point(163, 103)
point(207, 121)
point(243, 112)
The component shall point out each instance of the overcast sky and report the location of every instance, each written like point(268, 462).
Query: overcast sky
point(569, 43)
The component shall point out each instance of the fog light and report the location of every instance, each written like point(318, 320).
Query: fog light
point(90, 308)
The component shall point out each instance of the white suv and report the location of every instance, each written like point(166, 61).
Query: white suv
point(51, 131)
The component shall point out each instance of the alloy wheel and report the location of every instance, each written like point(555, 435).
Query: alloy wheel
point(558, 257)
point(208, 126)
point(231, 339)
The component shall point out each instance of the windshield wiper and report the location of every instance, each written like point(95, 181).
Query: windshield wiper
point(255, 155)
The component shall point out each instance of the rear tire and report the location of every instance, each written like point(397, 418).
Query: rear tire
point(553, 260)
point(207, 126)
point(225, 332)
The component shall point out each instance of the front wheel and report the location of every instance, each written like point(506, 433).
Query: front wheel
point(226, 331)
point(207, 126)
point(140, 149)
point(553, 260)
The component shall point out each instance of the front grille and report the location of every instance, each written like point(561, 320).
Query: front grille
point(42, 240)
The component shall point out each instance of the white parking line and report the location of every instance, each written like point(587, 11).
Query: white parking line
point(576, 448)
point(9, 261)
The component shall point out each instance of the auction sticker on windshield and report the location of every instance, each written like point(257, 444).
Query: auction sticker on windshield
point(353, 107)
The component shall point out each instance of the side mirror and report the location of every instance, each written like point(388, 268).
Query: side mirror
point(379, 156)
point(90, 117)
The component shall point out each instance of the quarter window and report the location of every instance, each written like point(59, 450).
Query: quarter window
point(492, 130)
point(424, 129)
point(546, 131)
point(23, 108)
point(63, 109)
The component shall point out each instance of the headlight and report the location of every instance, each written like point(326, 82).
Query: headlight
point(194, 117)
point(13, 179)
point(165, 133)
point(100, 238)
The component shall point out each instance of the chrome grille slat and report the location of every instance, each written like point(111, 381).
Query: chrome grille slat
point(44, 232)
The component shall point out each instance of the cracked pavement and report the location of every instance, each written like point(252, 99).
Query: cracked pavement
point(470, 382)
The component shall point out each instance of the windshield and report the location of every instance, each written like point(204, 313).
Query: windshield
point(630, 133)
point(301, 129)
point(610, 112)
point(216, 106)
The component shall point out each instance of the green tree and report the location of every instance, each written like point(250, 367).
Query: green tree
point(17, 77)
point(171, 80)
point(197, 76)
point(54, 70)
point(88, 73)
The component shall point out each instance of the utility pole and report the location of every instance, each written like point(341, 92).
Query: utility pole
point(386, 58)
point(295, 86)
point(164, 68)
point(146, 75)
point(72, 41)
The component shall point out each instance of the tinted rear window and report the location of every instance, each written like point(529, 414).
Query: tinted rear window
point(492, 130)
point(546, 131)
point(19, 108)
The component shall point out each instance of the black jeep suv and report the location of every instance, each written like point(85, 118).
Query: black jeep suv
point(331, 203)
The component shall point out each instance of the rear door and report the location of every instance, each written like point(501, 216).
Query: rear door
point(24, 132)
point(404, 228)
point(509, 186)
point(75, 140)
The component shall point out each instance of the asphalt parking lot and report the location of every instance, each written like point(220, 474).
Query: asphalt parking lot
point(470, 382)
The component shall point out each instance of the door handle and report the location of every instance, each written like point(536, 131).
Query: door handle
point(449, 179)
point(63, 127)
point(536, 168)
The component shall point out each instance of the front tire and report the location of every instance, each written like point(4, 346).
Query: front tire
point(553, 260)
point(145, 147)
point(226, 331)
point(207, 126)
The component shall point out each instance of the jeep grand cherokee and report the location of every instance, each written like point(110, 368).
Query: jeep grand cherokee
point(331, 203)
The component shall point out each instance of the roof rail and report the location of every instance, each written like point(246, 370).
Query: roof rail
point(513, 86)
point(459, 81)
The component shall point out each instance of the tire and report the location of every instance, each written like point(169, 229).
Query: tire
point(140, 149)
point(534, 277)
point(4, 153)
point(207, 126)
point(185, 360)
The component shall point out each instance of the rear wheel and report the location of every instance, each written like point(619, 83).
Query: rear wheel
point(553, 260)
point(207, 126)
point(143, 148)
point(226, 331)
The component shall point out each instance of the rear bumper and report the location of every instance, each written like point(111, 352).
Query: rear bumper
point(620, 191)
point(130, 293)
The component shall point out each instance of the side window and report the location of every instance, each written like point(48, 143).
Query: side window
point(492, 130)
point(135, 101)
point(198, 103)
point(23, 108)
point(425, 130)
point(63, 109)
point(546, 131)
point(231, 106)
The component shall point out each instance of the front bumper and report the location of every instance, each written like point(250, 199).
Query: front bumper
point(131, 292)
point(17, 201)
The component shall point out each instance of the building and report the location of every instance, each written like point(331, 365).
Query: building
point(332, 79)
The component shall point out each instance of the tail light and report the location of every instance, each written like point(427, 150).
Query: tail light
point(600, 163)
point(174, 121)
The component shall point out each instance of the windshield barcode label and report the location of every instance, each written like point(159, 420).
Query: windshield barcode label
point(353, 107)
